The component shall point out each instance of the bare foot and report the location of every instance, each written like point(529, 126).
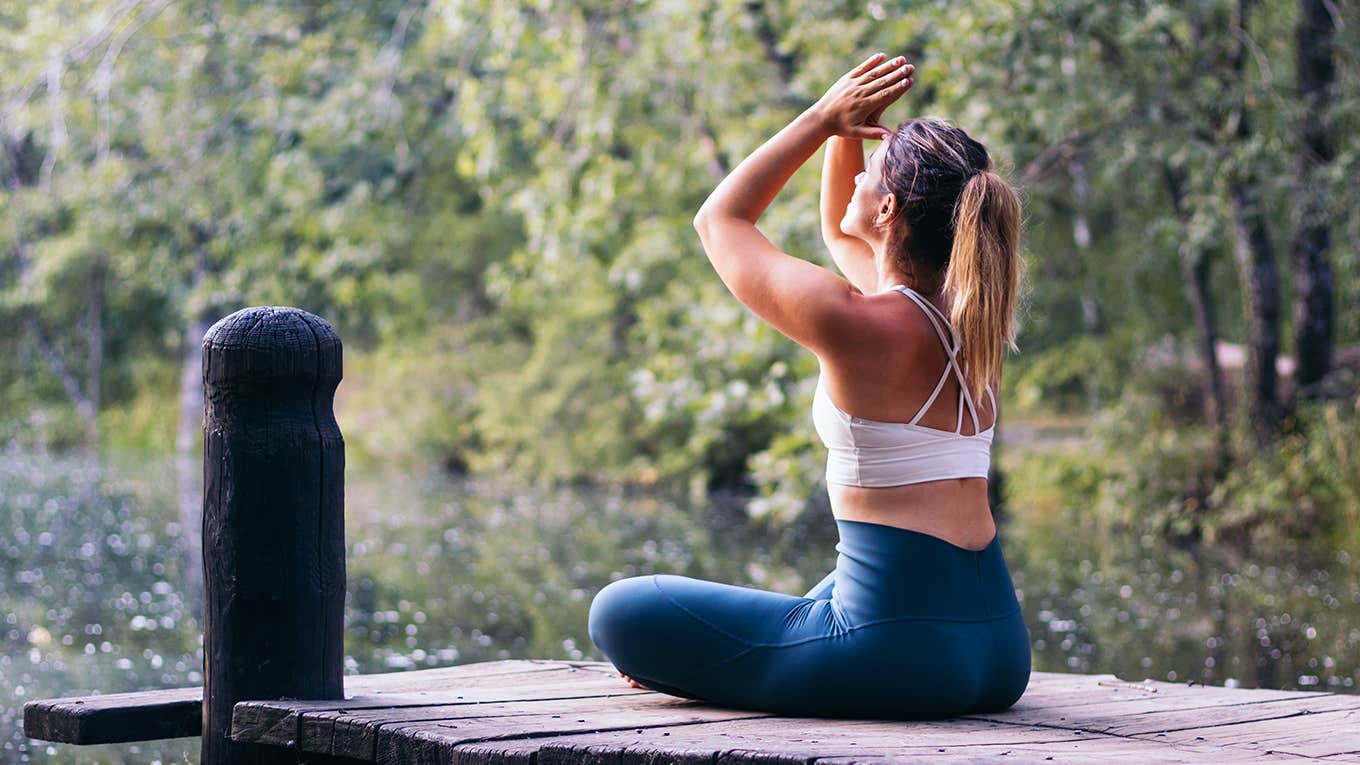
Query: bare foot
point(632, 682)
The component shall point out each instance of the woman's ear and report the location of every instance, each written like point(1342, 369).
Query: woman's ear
point(886, 211)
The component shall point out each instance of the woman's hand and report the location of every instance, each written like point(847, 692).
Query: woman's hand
point(854, 104)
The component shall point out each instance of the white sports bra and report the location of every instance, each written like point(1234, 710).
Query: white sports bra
point(864, 452)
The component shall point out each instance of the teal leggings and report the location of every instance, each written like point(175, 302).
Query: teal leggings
point(907, 626)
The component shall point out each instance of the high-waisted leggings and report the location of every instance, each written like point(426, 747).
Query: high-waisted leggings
point(907, 626)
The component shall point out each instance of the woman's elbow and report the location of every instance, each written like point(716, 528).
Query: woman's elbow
point(704, 217)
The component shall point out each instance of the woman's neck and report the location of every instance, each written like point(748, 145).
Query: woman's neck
point(887, 277)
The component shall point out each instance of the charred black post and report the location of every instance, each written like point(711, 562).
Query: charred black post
point(273, 520)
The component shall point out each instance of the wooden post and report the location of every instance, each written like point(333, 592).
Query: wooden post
point(273, 520)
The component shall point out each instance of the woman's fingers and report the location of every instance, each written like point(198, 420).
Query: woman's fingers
point(884, 68)
point(866, 133)
point(882, 96)
point(891, 93)
point(890, 77)
point(864, 66)
point(855, 103)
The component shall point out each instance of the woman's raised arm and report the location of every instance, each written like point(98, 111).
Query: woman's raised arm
point(844, 160)
point(804, 301)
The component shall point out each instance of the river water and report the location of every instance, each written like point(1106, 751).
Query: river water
point(448, 571)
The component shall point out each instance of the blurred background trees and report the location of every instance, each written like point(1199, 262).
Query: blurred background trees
point(492, 202)
point(547, 386)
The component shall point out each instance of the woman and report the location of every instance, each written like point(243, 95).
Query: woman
point(919, 619)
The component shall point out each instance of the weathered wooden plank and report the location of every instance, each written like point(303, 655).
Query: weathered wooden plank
point(1321, 734)
point(532, 752)
point(111, 718)
point(810, 739)
point(431, 741)
point(1100, 715)
point(522, 751)
point(1169, 720)
point(114, 717)
point(1064, 753)
point(811, 744)
point(1049, 691)
point(353, 731)
point(792, 739)
point(754, 740)
point(277, 722)
point(357, 734)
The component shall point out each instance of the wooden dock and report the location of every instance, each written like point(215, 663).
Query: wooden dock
point(541, 712)
point(583, 712)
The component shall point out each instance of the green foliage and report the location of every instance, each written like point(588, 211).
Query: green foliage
point(492, 204)
point(1145, 471)
point(402, 403)
point(144, 424)
point(1308, 487)
point(1070, 375)
point(1057, 485)
point(1161, 467)
point(787, 474)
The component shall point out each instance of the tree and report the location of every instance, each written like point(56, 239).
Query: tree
point(1315, 73)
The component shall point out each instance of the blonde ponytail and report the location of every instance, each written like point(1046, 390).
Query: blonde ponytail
point(984, 275)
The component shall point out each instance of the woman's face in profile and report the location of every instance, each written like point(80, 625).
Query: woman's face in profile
point(867, 198)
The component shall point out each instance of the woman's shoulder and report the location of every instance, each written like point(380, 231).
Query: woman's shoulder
point(887, 332)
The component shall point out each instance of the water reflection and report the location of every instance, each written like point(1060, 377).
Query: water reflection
point(447, 572)
point(1277, 618)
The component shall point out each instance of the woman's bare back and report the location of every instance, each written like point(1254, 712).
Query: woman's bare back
point(890, 385)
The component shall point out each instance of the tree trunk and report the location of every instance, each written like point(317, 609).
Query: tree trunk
point(1255, 258)
point(1313, 288)
point(1195, 265)
point(1261, 292)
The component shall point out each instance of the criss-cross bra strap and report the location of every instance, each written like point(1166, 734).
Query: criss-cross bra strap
point(945, 374)
point(931, 312)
